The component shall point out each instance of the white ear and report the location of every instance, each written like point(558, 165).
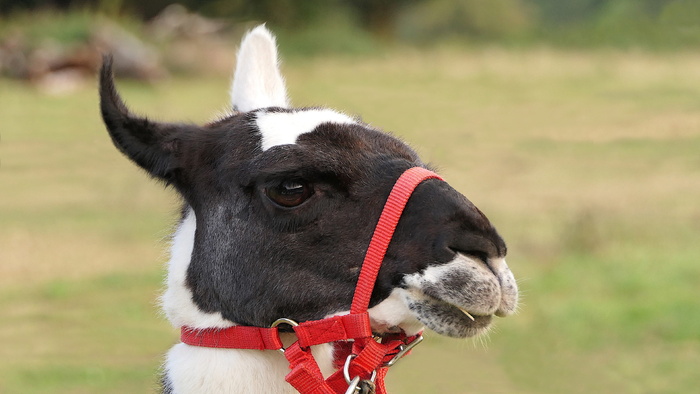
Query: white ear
point(257, 82)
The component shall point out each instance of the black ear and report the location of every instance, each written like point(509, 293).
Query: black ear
point(151, 145)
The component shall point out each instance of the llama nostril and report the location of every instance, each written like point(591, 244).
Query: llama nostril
point(482, 256)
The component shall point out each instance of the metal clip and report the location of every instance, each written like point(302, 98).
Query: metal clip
point(403, 349)
point(367, 387)
point(358, 386)
point(354, 386)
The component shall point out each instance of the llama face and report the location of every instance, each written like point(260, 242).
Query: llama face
point(280, 206)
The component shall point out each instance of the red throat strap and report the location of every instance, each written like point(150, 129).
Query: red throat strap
point(357, 353)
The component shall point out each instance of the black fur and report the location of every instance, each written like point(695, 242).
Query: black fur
point(153, 146)
point(255, 261)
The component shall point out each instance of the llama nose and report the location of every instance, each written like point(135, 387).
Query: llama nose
point(485, 246)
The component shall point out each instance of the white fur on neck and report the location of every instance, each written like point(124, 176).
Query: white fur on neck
point(193, 369)
point(196, 370)
point(257, 81)
point(177, 300)
point(283, 128)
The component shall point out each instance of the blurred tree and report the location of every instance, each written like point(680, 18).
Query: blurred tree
point(280, 12)
point(379, 16)
point(7, 6)
point(560, 13)
point(571, 22)
point(462, 19)
point(283, 13)
point(621, 23)
point(681, 21)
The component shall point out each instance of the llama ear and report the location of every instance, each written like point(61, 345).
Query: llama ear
point(257, 81)
point(151, 145)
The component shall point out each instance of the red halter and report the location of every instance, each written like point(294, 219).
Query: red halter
point(361, 360)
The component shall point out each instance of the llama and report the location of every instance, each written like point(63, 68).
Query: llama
point(279, 206)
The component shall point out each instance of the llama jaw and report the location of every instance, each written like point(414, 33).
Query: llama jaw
point(446, 319)
point(456, 299)
point(459, 298)
point(410, 311)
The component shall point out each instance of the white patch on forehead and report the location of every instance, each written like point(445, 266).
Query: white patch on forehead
point(283, 128)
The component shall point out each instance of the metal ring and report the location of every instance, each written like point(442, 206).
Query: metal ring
point(283, 320)
point(346, 368)
point(346, 371)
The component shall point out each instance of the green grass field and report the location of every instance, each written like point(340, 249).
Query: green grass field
point(588, 163)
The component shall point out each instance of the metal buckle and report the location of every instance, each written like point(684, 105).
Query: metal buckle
point(283, 320)
point(403, 349)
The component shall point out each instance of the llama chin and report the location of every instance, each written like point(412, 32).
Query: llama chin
point(280, 205)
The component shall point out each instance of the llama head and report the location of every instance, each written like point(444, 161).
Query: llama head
point(280, 205)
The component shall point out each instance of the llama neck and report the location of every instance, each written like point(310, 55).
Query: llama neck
point(192, 369)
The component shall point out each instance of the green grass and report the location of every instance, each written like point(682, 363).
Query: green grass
point(587, 162)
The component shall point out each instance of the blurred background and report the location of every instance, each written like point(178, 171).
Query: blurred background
point(574, 125)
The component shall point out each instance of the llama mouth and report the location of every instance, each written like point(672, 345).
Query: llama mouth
point(447, 319)
point(460, 298)
point(456, 299)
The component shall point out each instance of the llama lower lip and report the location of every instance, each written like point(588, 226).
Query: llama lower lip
point(472, 324)
point(447, 319)
point(470, 318)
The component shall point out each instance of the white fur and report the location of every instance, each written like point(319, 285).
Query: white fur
point(394, 312)
point(193, 369)
point(196, 370)
point(492, 285)
point(283, 128)
point(391, 312)
point(509, 287)
point(177, 300)
point(257, 84)
point(257, 81)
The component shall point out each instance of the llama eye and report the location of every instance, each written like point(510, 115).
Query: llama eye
point(289, 193)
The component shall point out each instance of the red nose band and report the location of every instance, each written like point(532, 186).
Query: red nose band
point(384, 231)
